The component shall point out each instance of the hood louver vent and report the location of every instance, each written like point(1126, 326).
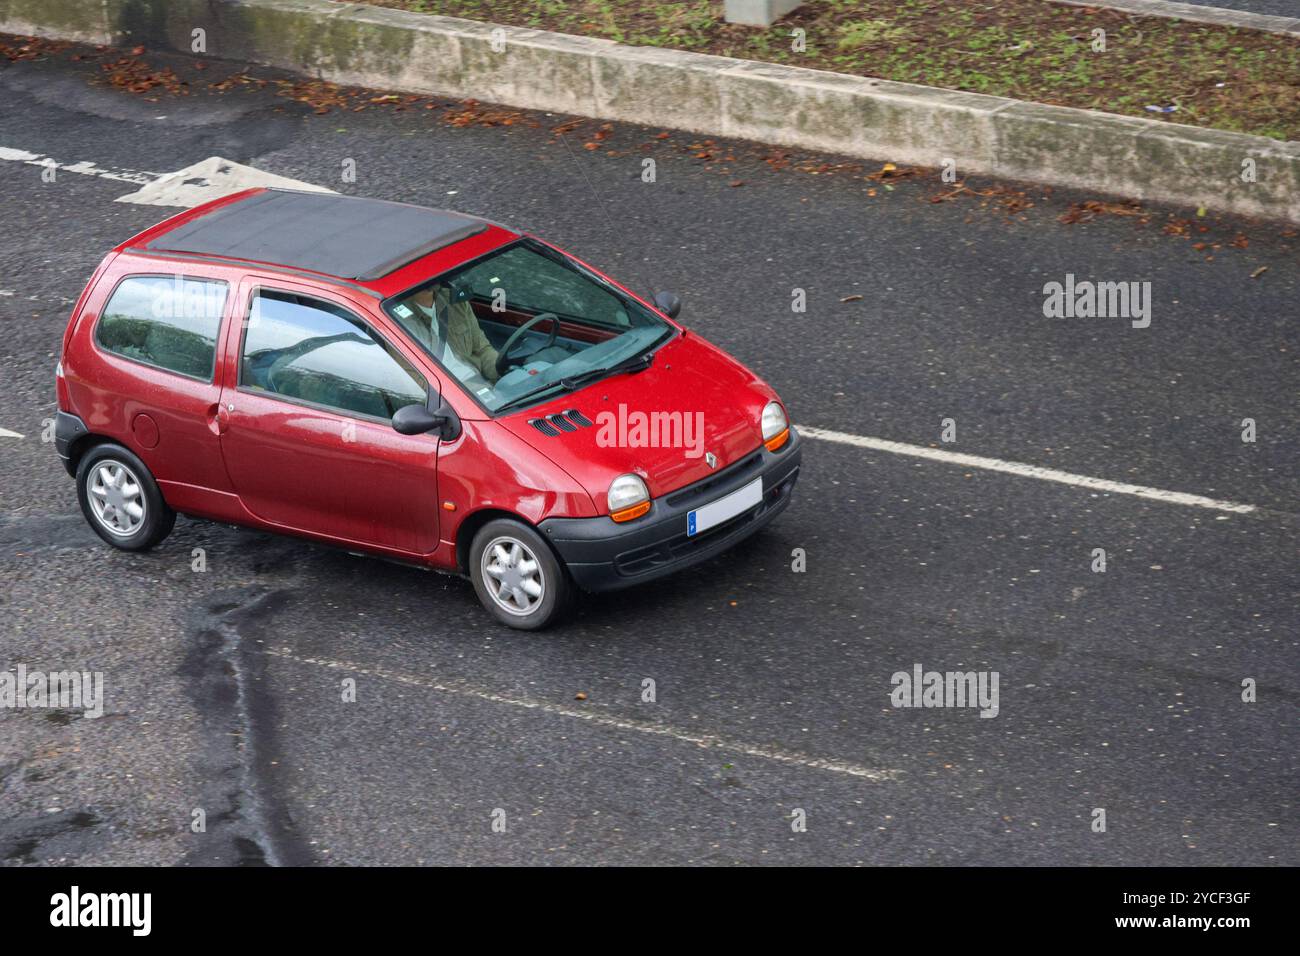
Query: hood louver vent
point(568, 421)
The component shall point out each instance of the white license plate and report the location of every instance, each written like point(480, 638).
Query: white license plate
point(724, 509)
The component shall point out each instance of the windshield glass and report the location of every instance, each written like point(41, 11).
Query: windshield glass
point(524, 323)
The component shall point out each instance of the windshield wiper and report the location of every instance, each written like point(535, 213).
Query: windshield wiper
point(637, 364)
point(518, 399)
point(571, 383)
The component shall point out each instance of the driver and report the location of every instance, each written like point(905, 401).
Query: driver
point(464, 338)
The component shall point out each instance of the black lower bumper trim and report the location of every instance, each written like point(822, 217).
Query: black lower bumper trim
point(604, 556)
point(67, 429)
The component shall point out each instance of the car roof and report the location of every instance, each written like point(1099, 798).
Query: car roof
point(346, 237)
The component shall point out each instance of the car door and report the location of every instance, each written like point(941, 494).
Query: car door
point(306, 433)
point(155, 383)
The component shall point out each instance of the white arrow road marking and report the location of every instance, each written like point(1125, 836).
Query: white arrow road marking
point(6, 433)
point(603, 720)
point(1025, 471)
point(212, 178)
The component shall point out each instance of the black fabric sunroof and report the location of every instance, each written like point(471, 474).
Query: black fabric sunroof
point(342, 236)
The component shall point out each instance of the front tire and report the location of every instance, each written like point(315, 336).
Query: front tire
point(517, 577)
point(120, 499)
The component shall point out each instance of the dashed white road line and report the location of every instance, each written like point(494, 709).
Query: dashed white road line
point(602, 720)
point(1024, 471)
point(83, 168)
point(6, 433)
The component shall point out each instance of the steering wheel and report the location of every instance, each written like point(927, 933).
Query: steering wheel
point(504, 361)
point(274, 369)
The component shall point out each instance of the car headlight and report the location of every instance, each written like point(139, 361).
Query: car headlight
point(776, 427)
point(628, 498)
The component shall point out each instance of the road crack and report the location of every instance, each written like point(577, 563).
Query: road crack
point(247, 824)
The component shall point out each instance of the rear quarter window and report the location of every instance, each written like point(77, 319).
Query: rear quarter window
point(169, 322)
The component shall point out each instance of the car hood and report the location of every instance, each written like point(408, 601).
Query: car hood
point(664, 423)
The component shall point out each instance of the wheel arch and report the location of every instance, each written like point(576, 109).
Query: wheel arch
point(472, 523)
point(84, 443)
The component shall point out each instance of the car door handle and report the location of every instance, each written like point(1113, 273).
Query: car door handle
point(218, 418)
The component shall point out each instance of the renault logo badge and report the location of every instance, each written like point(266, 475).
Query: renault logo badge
point(711, 459)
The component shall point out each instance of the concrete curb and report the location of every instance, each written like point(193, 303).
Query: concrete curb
point(789, 106)
point(1218, 16)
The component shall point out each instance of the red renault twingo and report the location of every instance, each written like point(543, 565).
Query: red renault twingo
point(413, 383)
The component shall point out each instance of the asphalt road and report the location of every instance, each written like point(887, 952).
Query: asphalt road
point(1118, 690)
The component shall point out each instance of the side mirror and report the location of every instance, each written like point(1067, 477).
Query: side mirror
point(418, 419)
point(415, 420)
point(668, 304)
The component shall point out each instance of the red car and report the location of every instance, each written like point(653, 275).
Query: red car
point(413, 383)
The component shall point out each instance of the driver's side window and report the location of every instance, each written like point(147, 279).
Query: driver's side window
point(311, 351)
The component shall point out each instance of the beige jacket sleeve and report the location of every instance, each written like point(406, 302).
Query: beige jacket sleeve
point(466, 338)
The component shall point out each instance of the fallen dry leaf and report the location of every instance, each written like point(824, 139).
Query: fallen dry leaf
point(1092, 208)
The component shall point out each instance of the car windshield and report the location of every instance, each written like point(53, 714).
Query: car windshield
point(525, 322)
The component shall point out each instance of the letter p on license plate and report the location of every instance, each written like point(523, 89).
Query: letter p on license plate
point(725, 508)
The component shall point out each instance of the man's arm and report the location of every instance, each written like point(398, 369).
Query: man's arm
point(467, 340)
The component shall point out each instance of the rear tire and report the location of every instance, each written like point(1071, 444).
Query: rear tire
point(121, 500)
point(518, 578)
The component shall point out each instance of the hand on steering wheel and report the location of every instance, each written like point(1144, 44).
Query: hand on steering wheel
point(504, 362)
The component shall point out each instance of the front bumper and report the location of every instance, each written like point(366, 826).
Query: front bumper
point(602, 555)
point(67, 429)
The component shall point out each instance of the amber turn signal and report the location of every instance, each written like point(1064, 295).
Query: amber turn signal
point(777, 440)
point(627, 514)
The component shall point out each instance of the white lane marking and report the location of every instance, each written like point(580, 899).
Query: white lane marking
point(6, 433)
point(1025, 471)
point(83, 168)
point(56, 299)
point(656, 730)
point(210, 179)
